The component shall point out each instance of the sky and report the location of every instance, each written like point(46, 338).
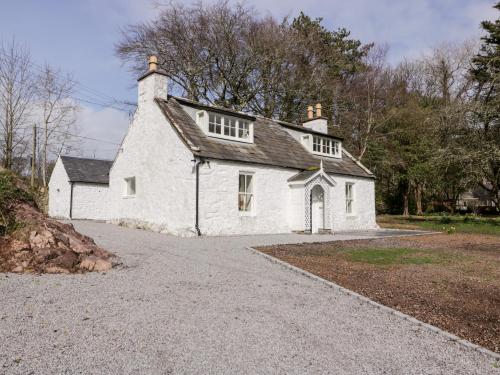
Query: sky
point(79, 36)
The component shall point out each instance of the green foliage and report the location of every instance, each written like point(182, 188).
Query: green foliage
point(10, 192)
point(447, 223)
point(395, 256)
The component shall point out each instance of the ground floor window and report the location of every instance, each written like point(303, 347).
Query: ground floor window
point(245, 192)
point(349, 197)
point(130, 186)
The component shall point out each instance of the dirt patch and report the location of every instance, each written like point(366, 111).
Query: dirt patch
point(450, 281)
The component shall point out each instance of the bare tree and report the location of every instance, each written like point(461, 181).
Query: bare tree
point(16, 93)
point(58, 113)
point(368, 98)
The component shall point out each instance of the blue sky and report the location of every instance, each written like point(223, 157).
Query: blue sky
point(78, 36)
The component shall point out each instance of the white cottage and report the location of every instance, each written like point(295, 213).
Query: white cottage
point(187, 168)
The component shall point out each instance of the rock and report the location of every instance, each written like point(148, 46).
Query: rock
point(102, 265)
point(55, 269)
point(88, 263)
point(66, 260)
point(17, 246)
point(41, 239)
point(78, 246)
point(18, 269)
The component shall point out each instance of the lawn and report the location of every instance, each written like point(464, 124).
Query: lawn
point(459, 224)
point(449, 280)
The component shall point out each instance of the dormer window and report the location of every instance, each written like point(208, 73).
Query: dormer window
point(322, 145)
point(226, 127)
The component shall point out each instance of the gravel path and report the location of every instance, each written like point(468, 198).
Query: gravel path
point(207, 305)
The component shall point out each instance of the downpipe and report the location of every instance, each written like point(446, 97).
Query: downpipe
point(197, 163)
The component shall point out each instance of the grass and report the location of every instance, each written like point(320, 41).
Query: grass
point(396, 256)
point(449, 224)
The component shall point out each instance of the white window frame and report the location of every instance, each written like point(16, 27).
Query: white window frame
point(325, 146)
point(245, 193)
point(349, 199)
point(225, 124)
point(127, 192)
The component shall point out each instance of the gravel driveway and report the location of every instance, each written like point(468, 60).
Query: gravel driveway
point(206, 305)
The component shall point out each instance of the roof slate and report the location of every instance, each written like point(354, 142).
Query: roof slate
point(87, 170)
point(273, 145)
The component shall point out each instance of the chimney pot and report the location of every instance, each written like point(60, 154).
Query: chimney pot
point(318, 110)
point(153, 63)
point(309, 112)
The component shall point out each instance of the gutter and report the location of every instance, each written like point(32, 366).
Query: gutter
point(197, 209)
point(71, 200)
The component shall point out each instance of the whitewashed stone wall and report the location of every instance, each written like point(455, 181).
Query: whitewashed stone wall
point(153, 153)
point(90, 201)
point(219, 214)
point(59, 192)
point(363, 212)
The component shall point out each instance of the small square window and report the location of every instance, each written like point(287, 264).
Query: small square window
point(130, 186)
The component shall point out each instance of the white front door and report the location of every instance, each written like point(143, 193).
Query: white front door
point(317, 209)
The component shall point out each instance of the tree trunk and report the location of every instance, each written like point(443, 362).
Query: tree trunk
point(418, 198)
point(406, 196)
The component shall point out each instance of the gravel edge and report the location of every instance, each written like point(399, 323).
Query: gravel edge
point(431, 328)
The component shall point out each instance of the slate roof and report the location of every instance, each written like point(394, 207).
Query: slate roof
point(273, 145)
point(87, 170)
point(302, 176)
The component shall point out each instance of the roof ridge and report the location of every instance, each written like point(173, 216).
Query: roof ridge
point(81, 158)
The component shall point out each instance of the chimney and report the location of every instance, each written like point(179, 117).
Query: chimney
point(153, 63)
point(310, 112)
point(152, 84)
point(318, 109)
point(318, 123)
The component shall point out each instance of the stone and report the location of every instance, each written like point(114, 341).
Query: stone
point(66, 260)
point(102, 265)
point(41, 239)
point(55, 269)
point(18, 269)
point(78, 246)
point(88, 263)
point(17, 246)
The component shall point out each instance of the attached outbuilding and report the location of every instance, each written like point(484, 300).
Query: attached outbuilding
point(79, 188)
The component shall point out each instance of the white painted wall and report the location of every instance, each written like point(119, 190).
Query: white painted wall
point(219, 199)
point(163, 168)
point(59, 192)
point(90, 201)
point(363, 213)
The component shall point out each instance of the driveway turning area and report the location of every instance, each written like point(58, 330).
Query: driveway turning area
point(208, 305)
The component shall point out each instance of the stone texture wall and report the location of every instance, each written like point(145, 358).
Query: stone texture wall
point(59, 192)
point(363, 213)
point(272, 211)
point(91, 201)
point(153, 153)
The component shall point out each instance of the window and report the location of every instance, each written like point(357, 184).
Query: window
point(325, 146)
point(130, 186)
point(227, 127)
point(349, 197)
point(245, 192)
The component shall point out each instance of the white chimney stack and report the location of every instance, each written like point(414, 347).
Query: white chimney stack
point(318, 123)
point(152, 84)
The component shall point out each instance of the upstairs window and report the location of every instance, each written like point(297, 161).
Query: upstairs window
point(245, 192)
point(227, 127)
point(326, 146)
point(349, 197)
